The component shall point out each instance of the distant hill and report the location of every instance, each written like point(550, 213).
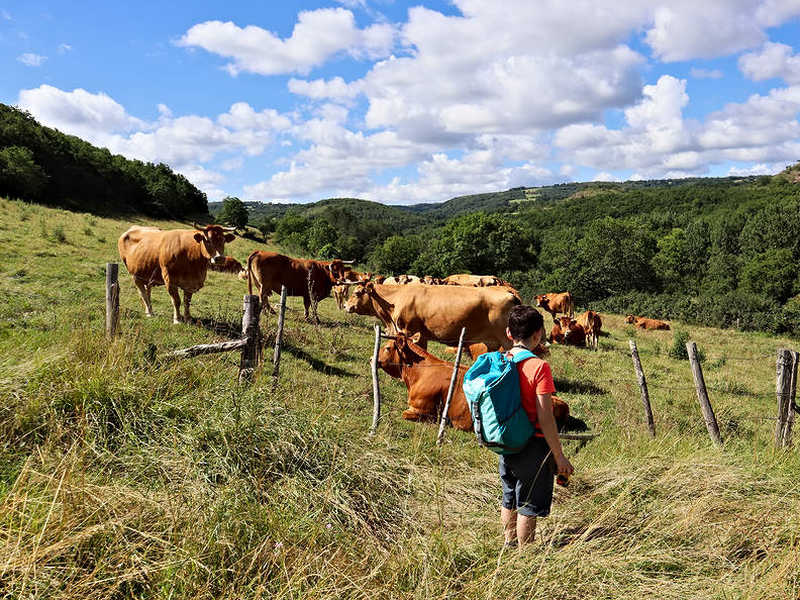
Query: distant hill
point(41, 164)
point(512, 200)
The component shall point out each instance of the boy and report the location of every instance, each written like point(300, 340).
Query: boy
point(527, 476)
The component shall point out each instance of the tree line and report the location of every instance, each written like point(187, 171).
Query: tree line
point(41, 164)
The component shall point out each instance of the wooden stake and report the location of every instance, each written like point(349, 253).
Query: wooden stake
point(250, 331)
point(783, 391)
point(637, 366)
point(376, 390)
point(702, 394)
point(787, 430)
point(453, 379)
point(112, 299)
point(276, 356)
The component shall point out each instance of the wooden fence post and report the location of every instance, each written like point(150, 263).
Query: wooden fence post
point(276, 356)
point(376, 390)
point(112, 299)
point(637, 366)
point(702, 394)
point(453, 379)
point(783, 391)
point(250, 330)
point(787, 431)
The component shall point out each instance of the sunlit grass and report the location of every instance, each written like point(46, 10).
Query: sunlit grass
point(126, 477)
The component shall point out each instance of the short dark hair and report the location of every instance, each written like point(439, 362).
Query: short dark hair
point(524, 321)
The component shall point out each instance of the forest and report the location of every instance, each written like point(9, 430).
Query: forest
point(41, 164)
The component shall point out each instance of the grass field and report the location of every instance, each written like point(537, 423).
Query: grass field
point(121, 477)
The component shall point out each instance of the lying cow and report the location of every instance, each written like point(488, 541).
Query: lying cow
point(438, 312)
point(645, 323)
point(592, 324)
point(178, 259)
point(229, 265)
point(470, 280)
point(568, 332)
point(557, 303)
point(427, 380)
point(310, 279)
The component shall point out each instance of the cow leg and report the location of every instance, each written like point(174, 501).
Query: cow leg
point(174, 293)
point(265, 302)
point(187, 299)
point(144, 293)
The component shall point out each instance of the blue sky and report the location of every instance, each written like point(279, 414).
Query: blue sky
point(403, 102)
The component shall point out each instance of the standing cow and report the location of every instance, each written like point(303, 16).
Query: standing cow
point(438, 312)
point(557, 303)
point(178, 259)
point(592, 324)
point(311, 279)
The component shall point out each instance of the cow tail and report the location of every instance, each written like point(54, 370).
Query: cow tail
point(250, 271)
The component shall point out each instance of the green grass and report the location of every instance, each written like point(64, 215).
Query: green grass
point(125, 477)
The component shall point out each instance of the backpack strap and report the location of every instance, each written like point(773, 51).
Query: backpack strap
point(522, 355)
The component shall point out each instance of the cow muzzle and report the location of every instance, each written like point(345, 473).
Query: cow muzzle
point(218, 259)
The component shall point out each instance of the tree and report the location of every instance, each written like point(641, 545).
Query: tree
point(20, 176)
point(233, 212)
point(396, 254)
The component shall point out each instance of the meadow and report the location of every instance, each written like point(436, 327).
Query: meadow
point(127, 477)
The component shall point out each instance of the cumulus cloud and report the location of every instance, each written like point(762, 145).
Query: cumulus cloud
point(334, 89)
point(771, 61)
point(318, 36)
point(759, 169)
point(29, 59)
point(184, 141)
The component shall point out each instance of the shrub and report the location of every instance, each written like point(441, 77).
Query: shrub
point(678, 350)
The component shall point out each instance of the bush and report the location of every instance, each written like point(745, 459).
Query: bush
point(678, 350)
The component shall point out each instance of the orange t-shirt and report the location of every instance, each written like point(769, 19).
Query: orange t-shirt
point(535, 378)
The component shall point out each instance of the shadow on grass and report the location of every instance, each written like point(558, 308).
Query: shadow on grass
point(229, 329)
point(579, 387)
point(316, 364)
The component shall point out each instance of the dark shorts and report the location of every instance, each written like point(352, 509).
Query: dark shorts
point(527, 479)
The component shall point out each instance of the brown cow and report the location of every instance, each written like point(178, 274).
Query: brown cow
point(470, 280)
point(592, 324)
point(644, 323)
point(438, 312)
point(340, 291)
point(311, 279)
point(475, 350)
point(556, 334)
point(574, 334)
point(178, 259)
point(427, 380)
point(557, 303)
point(229, 265)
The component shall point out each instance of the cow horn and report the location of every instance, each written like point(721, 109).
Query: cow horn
point(348, 262)
point(196, 226)
point(388, 337)
point(228, 228)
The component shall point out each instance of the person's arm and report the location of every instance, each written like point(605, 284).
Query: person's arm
point(547, 423)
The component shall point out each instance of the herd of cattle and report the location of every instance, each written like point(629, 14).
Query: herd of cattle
point(414, 310)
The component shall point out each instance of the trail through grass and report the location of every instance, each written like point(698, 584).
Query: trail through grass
point(125, 477)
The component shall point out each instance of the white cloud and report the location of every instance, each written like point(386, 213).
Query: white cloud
point(773, 60)
point(318, 35)
point(29, 59)
point(699, 73)
point(64, 48)
point(335, 88)
point(759, 169)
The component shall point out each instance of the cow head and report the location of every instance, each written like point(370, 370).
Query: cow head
point(360, 302)
point(630, 318)
point(543, 301)
point(340, 269)
point(212, 240)
point(229, 265)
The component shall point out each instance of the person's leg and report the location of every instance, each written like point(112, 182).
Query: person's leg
point(526, 529)
point(508, 516)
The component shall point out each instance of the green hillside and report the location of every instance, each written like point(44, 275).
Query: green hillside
point(127, 477)
point(41, 164)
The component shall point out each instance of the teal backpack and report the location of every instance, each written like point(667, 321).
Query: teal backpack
point(491, 386)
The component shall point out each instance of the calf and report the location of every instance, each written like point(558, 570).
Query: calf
point(591, 323)
point(557, 303)
point(229, 265)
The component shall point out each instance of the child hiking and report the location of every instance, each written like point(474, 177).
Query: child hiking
point(527, 476)
point(510, 399)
